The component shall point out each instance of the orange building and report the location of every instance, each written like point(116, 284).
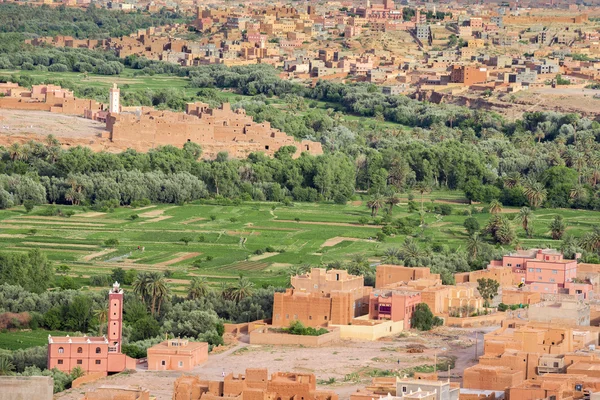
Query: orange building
point(255, 384)
point(177, 355)
point(468, 75)
point(322, 297)
point(94, 354)
point(389, 274)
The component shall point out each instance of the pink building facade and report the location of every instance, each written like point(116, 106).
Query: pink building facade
point(393, 305)
point(545, 270)
point(94, 354)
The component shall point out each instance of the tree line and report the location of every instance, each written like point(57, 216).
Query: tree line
point(92, 23)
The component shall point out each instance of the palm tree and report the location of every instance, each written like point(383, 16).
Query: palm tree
point(422, 188)
point(557, 227)
point(225, 290)
point(578, 192)
point(15, 151)
point(411, 252)
point(591, 240)
point(578, 162)
point(6, 366)
point(535, 193)
point(495, 207)
point(242, 289)
point(392, 255)
point(157, 289)
point(526, 216)
point(198, 288)
point(375, 204)
point(391, 201)
point(512, 180)
point(140, 285)
point(474, 246)
point(102, 315)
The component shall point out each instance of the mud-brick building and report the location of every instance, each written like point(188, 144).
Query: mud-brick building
point(254, 384)
point(215, 129)
point(322, 297)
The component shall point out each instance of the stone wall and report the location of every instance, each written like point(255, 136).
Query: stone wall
point(26, 388)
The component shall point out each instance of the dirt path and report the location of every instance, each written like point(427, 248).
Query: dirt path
point(339, 239)
point(261, 256)
point(182, 257)
point(328, 223)
point(90, 257)
point(43, 244)
point(157, 219)
point(91, 214)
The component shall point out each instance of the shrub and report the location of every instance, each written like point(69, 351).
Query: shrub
point(133, 217)
point(363, 220)
point(502, 307)
point(444, 209)
point(112, 242)
point(28, 204)
point(297, 328)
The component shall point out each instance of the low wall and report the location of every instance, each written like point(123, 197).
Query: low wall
point(482, 320)
point(245, 327)
point(264, 336)
point(370, 332)
point(26, 387)
point(89, 377)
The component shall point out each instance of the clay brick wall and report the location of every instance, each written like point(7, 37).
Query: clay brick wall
point(389, 274)
point(232, 130)
point(491, 378)
point(264, 336)
point(311, 309)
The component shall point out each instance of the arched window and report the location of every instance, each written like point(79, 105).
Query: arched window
point(98, 350)
point(79, 350)
point(61, 350)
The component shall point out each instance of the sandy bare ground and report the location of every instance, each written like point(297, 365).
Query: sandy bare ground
point(83, 246)
point(40, 123)
point(91, 214)
point(13, 221)
point(157, 219)
point(182, 257)
point(339, 239)
point(334, 361)
point(90, 257)
point(152, 214)
point(9, 235)
point(261, 256)
point(329, 223)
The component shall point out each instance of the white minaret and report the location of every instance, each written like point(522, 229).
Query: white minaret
point(113, 105)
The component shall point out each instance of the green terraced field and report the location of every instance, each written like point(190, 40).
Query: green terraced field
point(224, 239)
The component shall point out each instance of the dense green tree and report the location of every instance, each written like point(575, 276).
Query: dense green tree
point(423, 319)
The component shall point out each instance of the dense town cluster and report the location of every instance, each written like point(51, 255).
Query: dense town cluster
point(442, 48)
point(350, 103)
